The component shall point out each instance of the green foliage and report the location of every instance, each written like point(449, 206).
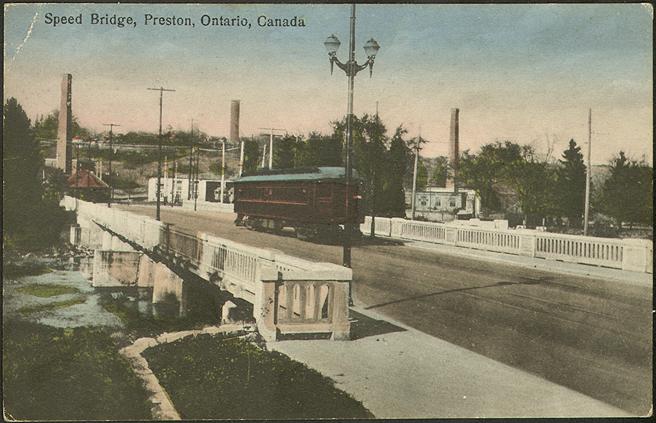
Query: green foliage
point(492, 167)
point(32, 218)
point(213, 378)
point(393, 192)
point(571, 184)
point(627, 194)
point(422, 176)
point(284, 152)
point(438, 178)
point(535, 184)
point(251, 156)
point(51, 306)
point(67, 374)
point(46, 128)
point(47, 290)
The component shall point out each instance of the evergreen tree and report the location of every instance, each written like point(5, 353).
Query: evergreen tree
point(393, 192)
point(21, 170)
point(571, 184)
point(284, 152)
point(251, 156)
point(627, 194)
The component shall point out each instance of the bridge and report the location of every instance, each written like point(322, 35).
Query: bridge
point(588, 330)
point(289, 295)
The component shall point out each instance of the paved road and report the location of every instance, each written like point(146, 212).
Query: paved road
point(592, 336)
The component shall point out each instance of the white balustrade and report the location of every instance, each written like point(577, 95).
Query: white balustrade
point(625, 254)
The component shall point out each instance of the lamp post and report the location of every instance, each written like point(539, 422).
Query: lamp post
point(351, 68)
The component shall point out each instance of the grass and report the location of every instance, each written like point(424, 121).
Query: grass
point(214, 378)
point(47, 290)
point(52, 306)
point(11, 269)
point(67, 374)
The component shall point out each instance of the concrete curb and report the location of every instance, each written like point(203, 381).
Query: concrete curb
point(162, 406)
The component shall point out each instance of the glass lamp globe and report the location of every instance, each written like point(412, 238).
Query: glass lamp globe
point(371, 48)
point(332, 44)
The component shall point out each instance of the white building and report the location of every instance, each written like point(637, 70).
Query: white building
point(443, 204)
point(177, 190)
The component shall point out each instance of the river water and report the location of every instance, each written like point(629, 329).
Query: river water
point(81, 308)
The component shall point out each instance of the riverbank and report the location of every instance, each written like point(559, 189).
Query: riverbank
point(61, 358)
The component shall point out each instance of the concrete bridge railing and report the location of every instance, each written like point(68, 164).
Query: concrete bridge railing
point(289, 295)
point(626, 254)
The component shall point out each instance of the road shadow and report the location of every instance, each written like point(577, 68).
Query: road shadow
point(364, 326)
point(522, 281)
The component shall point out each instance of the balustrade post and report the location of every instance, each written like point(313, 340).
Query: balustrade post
point(527, 243)
point(451, 235)
point(637, 255)
point(266, 301)
point(341, 327)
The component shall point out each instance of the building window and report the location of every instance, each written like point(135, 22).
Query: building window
point(452, 202)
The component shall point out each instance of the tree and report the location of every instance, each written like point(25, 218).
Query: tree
point(284, 152)
point(29, 222)
point(571, 184)
point(21, 165)
point(46, 128)
point(422, 175)
point(251, 155)
point(627, 194)
point(397, 165)
point(535, 183)
point(489, 170)
point(438, 178)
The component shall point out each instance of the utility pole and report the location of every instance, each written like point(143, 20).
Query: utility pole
point(588, 175)
point(111, 154)
point(414, 177)
point(264, 151)
point(191, 153)
point(222, 168)
point(196, 178)
point(270, 144)
point(173, 181)
point(241, 157)
point(373, 191)
point(159, 155)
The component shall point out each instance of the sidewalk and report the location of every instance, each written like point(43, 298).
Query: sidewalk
point(634, 278)
point(399, 372)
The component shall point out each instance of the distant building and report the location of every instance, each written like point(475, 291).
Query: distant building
point(85, 185)
point(176, 190)
point(444, 205)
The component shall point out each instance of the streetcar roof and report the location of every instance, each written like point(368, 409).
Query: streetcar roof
point(306, 174)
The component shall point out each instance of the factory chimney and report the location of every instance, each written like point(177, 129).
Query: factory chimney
point(65, 128)
point(454, 150)
point(234, 121)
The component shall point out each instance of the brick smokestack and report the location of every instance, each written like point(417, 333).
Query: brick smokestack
point(234, 121)
point(65, 128)
point(454, 149)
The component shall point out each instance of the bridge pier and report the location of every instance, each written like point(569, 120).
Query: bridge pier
point(115, 268)
point(166, 285)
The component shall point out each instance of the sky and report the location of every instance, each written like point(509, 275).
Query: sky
point(525, 73)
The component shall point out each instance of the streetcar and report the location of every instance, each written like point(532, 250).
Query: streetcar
point(312, 201)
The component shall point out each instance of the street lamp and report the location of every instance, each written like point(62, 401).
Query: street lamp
point(351, 68)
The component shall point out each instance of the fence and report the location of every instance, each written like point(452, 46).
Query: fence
point(290, 295)
point(626, 254)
